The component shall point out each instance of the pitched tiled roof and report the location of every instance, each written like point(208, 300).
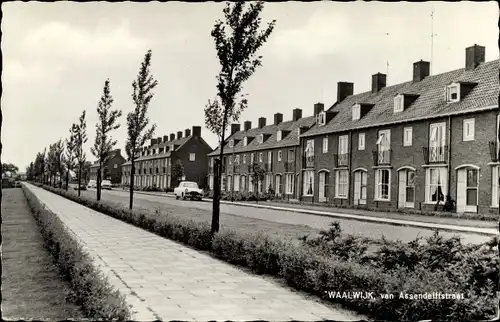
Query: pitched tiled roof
point(291, 139)
point(180, 142)
point(430, 102)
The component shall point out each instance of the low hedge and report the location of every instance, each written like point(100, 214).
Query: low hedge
point(306, 268)
point(89, 288)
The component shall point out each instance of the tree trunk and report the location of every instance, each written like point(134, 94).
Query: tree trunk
point(215, 201)
point(79, 178)
point(132, 176)
point(67, 180)
point(99, 183)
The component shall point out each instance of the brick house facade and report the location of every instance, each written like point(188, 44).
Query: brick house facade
point(412, 144)
point(111, 170)
point(153, 167)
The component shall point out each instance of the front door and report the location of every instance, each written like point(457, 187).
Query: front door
point(406, 189)
point(322, 181)
point(467, 189)
point(360, 188)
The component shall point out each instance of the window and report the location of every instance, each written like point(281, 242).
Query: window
point(245, 141)
point(252, 158)
point(407, 136)
point(244, 158)
point(243, 183)
point(268, 182)
point(495, 186)
point(192, 156)
point(398, 103)
point(223, 182)
point(115, 165)
point(325, 144)
point(436, 184)
point(384, 140)
point(211, 182)
point(231, 143)
point(343, 141)
point(382, 182)
point(290, 182)
point(468, 130)
point(260, 138)
point(172, 147)
point(356, 112)
point(341, 183)
point(229, 183)
point(269, 157)
point(453, 93)
point(230, 160)
point(309, 148)
point(291, 155)
point(237, 159)
point(308, 183)
point(278, 136)
point(279, 156)
point(261, 157)
point(321, 118)
point(361, 141)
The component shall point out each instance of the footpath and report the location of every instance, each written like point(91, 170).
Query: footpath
point(32, 288)
point(164, 280)
point(481, 227)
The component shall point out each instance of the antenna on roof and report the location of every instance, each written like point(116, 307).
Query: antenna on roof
point(432, 39)
point(387, 63)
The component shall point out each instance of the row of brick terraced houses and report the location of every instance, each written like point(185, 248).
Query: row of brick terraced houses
point(409, 145)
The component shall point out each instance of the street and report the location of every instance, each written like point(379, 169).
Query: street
point(290, 224)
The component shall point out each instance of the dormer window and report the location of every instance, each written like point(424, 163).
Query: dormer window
point(321, 118)
point(245, 141)
point(172, 147)
point(398, 103)
point(231, 143)
point(356, 112)
point(278, 136)
point(453, 93)
point(260, 138)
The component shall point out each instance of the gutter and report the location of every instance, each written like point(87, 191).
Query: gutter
point(449, 158)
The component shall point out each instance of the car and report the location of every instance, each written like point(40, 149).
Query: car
point(92, 184)
point(188, 189)
point(106, 184)
point(17, 184)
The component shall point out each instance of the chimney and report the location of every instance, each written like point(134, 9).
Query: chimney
point(165, 138)
point(297, 114)
point(474, 56)
point(187, 132)
point(378, 82)
point(179, 135)
point(153, 141)
point(197, 131)
point(318, 108)
point(172, 136)
point(278, 118)
point(262, 122)
point(344, 89)
point(235, 127)
point(421, 70)
point(158, 140)
point(248, 125)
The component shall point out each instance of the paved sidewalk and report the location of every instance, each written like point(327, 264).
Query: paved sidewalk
point(487, 228)
point(165, 280)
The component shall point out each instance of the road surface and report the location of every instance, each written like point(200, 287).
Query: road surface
point(296, 223)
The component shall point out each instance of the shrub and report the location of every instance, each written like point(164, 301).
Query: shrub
point(334, 262)
point(90, 289)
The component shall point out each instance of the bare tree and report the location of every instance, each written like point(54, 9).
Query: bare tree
point(237, 53)
point(79, 131)
point(107, 122)
point(137, 120)
point(70, 154)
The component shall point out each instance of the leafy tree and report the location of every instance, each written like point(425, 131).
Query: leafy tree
point(138, 132)
point(9, 168)
point(107, 122)
point(237, 53)
point(40, 166)
point(257, 176)
point(30, 171)
point(70, 154)
point(55, 160)
point(177, 172)
point(79, 131)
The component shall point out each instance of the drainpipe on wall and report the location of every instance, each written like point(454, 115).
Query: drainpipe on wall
point(449, 158)
point(349, 169)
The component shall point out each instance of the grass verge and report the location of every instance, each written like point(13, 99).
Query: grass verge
point(91, 290)
point(305, 268)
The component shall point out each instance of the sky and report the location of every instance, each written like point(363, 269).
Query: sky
point(57, 56)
